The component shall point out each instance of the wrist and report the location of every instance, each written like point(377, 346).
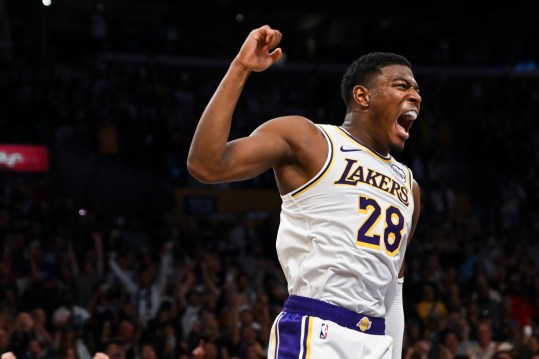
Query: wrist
point(238, 65)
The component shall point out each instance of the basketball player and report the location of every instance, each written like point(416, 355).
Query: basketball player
point(349, 208)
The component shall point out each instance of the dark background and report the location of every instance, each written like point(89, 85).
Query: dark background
point(434, 33)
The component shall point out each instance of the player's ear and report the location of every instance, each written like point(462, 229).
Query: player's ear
point(361, 95)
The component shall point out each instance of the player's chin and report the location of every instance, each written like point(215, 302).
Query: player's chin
point(397, 146)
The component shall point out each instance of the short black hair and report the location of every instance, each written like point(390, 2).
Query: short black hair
point(361, 71)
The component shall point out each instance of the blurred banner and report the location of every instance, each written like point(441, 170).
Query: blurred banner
point(24, 158)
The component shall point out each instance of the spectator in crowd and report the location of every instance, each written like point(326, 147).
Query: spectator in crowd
point(485, 347)
point(529, 346)
point(87, 280)
point(147, 351)
point(4, 341)
point(40, 324)
point(419, 350)
point(23, 340)
point(70, 313)
point(146, 293)
point(430, 308)
point(114, 350)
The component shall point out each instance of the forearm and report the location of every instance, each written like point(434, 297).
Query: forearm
point(209, 142)
point(99, 250)
point(129, 285)
point(73, 259)
point(395, 321)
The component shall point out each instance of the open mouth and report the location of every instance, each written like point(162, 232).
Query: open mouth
point(405, 121)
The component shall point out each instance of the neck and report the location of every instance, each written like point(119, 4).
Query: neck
point(362, 136)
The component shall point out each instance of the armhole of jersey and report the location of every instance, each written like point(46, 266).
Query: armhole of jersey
point(410, 179)
point(325, 168)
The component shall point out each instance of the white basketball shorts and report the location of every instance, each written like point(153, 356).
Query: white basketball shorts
point(312, 329)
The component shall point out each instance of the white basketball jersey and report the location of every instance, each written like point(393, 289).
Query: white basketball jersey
point(343, 235)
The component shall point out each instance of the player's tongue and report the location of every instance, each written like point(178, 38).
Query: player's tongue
point(402, 131)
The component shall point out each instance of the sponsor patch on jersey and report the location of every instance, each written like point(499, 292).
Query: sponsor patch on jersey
point(399, 172)
point(364, 324)
point(324, 331)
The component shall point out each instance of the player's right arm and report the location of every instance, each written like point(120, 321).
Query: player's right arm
point(212, 157)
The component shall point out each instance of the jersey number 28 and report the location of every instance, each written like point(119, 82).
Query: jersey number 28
point(393, 231)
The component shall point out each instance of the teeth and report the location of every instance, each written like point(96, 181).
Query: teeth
point(411, 113)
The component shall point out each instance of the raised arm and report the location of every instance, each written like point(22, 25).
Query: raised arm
point(124, 278)
point(98, 241)
point(72, 258)
point(212, 157)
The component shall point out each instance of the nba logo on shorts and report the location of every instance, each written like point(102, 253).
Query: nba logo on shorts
point(364, 324)
point(324, 331)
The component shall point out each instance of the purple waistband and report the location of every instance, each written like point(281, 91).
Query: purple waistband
point(342, 316)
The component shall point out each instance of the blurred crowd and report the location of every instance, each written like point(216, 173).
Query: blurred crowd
point(72, 285)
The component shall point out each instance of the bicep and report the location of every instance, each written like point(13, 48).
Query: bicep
point(250, 156)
